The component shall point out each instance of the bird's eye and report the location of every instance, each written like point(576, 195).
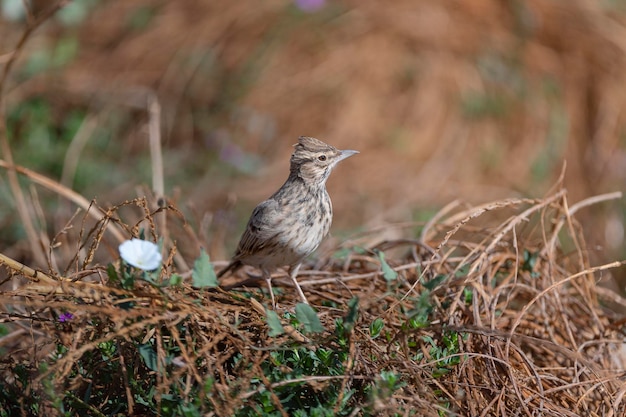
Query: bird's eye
point(322, 157)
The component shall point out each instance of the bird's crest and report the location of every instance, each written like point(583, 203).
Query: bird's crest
point(306, 143)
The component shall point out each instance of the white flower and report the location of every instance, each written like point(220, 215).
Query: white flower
point(141, 254)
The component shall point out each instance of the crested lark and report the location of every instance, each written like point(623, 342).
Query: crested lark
point(289, 226)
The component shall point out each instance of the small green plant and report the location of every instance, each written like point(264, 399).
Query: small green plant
point(388, 273)
point(307, 317)
point(444, 351)
point(376, 327)
point(419, 316)
point(529, 262)
point(203, 274)
point(301, 366)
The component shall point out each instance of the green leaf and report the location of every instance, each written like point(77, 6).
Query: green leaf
point(388, 273)
point(434, 283)
point(150, 277)
point(530, 261)
point(149, 356)
point(112, 273)
point(203, 274)
point(308, 317)
point(376, 327)
point(175, 280)
point(276, 328)
point(208, 384)
point(468, 295)
point(352, 315)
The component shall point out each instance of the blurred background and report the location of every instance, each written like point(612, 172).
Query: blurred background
point(470, 100)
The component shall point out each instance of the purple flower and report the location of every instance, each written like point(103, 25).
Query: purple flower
point(232, 154)
point(65, 317)
point(310, 5)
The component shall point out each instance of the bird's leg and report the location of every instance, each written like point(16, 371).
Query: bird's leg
point(268, 278)
point(293, 273)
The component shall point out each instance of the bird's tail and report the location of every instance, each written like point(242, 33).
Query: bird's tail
point(232, 267)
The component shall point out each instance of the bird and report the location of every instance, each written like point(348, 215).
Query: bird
point(287, 227)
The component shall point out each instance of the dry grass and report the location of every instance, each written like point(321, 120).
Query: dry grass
point(488, 315)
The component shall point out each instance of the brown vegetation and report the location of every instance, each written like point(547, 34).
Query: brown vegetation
point(496, 308)
point(484, 317)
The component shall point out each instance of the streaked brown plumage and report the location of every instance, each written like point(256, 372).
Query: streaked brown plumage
point(289, 226)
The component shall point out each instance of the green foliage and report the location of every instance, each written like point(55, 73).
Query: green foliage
point(124, 279)
point(299, 379)
point(529, 262)
point(297, 397)
point(203, 274)
point(376, 327)
point(352, 315)
point(40, 139)
point(175, 280)
point(148, 354)
point(273, 321)
point(445, 352)
point(468, 295)
point(308, 318)
point(388, 273)
point(12, 393)
point(434, 283)
point(418, 316)
point(390, 382)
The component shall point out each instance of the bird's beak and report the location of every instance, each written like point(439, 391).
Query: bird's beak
point(346, 154)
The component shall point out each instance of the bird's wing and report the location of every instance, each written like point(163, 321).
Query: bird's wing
point(262, 226)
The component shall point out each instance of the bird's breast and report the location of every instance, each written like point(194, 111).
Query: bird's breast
point(301, 220)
